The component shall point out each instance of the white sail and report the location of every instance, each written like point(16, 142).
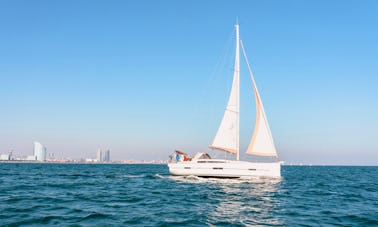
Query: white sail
point(261, 143)
point(227, 137)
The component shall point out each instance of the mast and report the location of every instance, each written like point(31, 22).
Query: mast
point(237, 74)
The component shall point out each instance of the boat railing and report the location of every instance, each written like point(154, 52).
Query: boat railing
point(210, 161)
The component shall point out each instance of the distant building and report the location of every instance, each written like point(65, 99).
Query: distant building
point(31, 158)
point(39, 152)
point(99, 155)
point(90, 160)
point(107, 156)
point(5, 157)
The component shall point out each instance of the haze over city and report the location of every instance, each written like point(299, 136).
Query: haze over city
point(143, 78)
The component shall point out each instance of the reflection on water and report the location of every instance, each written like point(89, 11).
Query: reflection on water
point(241, 201)
point(251, 202)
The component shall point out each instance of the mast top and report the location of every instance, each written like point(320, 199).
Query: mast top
point(237, 33)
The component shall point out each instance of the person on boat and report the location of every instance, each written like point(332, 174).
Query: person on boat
point(181, 156)
point(177, 157)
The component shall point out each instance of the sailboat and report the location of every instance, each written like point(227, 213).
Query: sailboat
point(227, 139)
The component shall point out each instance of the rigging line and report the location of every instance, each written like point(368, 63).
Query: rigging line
point(209, 91)
point(219, 67)
point(258, 95)
point(206, 92)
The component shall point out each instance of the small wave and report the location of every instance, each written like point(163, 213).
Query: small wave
point(160, 176)
point(95, 216)
point(76, 175)
point(49, 219)
point(363, 219)
point(192, 177)
point(187, 179)
point(133, 176)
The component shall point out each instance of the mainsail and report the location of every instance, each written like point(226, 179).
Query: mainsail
point(227, 137)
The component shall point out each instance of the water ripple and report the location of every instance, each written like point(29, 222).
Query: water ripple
point(146, 195)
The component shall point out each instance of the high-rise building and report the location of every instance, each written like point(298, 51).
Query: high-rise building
point(107, 156)
point(39, 151)
point(99, 155)
point(6, 157)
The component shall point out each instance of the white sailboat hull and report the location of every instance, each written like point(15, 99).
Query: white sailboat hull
point(225, 168)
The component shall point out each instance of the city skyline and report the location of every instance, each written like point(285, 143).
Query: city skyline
point(143, 81)
point(40, 155)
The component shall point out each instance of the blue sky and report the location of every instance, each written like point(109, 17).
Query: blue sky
point(145, 77)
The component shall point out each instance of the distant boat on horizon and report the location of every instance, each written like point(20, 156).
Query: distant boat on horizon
point(227, 139)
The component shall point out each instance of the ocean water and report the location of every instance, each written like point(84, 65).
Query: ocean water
point(146, 195)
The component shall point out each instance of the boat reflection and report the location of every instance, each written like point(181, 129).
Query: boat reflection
point(247, 202)
point(250, 202)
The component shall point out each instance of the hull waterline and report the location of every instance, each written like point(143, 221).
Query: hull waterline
point(225, 169)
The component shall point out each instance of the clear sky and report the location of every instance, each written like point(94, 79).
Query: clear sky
point(145, 77)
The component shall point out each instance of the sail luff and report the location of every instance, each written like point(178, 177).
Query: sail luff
point(257, 123)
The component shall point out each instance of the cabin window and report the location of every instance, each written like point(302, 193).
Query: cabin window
point(211, 162)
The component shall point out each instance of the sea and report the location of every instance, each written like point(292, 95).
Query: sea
point(147, 195)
